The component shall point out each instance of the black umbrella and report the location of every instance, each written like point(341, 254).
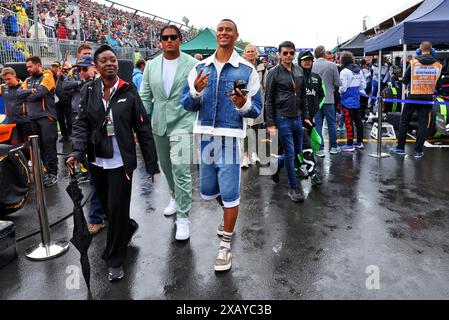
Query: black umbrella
point(81, 236)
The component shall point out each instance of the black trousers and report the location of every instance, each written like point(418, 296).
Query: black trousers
point(47, 131)
point(353, 116)
point(64, 114)
point(114, 191)
point(423, 124)
point(20, 135)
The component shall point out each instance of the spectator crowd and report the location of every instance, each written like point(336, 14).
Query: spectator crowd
point(58, 19)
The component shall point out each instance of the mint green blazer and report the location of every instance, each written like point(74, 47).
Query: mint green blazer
point(168, 114)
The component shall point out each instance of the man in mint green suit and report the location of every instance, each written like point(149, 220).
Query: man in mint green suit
point(163, 81)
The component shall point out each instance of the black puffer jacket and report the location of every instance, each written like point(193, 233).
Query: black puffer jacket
point(129, 116)
point(285, 94)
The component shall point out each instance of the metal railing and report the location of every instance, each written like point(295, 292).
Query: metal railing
point(25, 24)
point(15, 49)
point(97, 21)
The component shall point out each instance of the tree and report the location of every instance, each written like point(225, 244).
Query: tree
point(241, 44)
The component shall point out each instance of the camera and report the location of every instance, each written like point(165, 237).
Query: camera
point(241, 85)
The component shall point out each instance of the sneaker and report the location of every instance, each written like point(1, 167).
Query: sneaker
point(95, 228)
point(315, 180)
point(220, 229)
point(255, 158)
point(171, 208)
point(182, 229)
point(397, 151)
point(295, 195)
point(115, 274)
point(359, 145)
point(245, 162)
point(335, 150)
point(302, 173)
point(419, 155)
point(321, 154)
point(82, 178)
point(50, 180)
point(223, 262)
point(347, 148)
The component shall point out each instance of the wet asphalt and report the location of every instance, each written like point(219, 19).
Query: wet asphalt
point(387, 218)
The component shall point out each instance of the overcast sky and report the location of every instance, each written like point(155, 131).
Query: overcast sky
point(267, 23)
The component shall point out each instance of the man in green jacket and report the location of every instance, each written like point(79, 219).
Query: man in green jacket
point(163, 81)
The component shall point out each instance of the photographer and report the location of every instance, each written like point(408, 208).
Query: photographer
point(86, 73)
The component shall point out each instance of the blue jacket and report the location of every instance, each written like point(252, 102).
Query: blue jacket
point(137, 78)
point(352, 83)
point(217, 114)
point(11, 23)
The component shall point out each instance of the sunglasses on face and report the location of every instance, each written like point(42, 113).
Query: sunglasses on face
point(285, 53)
point(172, 37)
point(84, 69)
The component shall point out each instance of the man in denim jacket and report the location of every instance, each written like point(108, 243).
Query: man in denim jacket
point(221, 109)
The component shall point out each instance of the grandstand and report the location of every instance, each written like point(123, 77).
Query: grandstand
point(62, 25)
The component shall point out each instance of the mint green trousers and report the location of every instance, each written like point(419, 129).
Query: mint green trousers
point(175, 156)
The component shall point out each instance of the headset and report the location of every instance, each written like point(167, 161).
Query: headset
point(419, 52)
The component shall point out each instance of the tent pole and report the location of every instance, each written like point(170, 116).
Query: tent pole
point(379, 153)
point(404, 67)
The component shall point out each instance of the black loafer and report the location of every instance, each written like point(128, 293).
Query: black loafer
point(115, 274)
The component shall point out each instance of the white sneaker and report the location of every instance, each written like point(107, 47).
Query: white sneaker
point(255, 158)
point(171, 208)
point(182, 229)
point(245, 162)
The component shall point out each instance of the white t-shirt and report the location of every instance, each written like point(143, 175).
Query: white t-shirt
point(116, 161)
point(168, 73)
point(219, 67)
point(50, 21)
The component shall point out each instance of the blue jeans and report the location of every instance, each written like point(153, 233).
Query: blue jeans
point(96, 213)
point(289, 128)
point(328, 111)
point(220, 169)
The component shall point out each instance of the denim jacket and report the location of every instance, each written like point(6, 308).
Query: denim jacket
point(217, 114)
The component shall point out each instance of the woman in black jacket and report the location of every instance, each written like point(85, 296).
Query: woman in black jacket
point(110, 113)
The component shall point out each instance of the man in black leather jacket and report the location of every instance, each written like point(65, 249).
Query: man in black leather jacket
point(286, 106)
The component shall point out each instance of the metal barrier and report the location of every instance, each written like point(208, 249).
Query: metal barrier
point(47, 249)
point(18, 49)
point(379, 153)
point(25, 24)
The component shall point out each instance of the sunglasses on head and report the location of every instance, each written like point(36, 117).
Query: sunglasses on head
point(285, 53)
point(172, 37)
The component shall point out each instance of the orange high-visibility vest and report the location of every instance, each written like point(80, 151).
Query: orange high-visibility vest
point(424, 77)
